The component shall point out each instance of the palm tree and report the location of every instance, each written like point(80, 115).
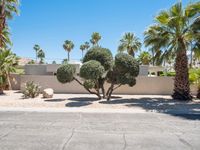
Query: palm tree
point(7, 8)
point(37, 49)
point(41, 56)
point(144, 58)
point(8, 61)
point(82, 48)
point(87, 45)
point(95, 38)
point(68, 46)
point(172, 33)
point(129, 43)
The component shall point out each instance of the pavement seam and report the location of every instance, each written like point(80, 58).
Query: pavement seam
point(125, 144)
point(183, 141)
point(68, 140)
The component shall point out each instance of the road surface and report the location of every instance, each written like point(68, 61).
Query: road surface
point(97, 131)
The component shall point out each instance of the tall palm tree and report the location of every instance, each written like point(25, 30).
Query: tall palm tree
point(68, 46)
point(82, 48)
point(172, 33)
point(8, 61)
point(37, 49)
point(41, 56)
point(129, 43)
point(95, 38)
point(7, 8)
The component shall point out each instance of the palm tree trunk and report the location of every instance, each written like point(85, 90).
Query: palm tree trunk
point(2, 21)
point(191, 56)
point(68, 56)
point(181, 81)
point(9, 82)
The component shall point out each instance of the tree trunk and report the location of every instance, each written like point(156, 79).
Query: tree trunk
point(8, 80)
point(198, 93)
point(1, 91)
point(2, 21)
point(181, 81)
point(68, 57)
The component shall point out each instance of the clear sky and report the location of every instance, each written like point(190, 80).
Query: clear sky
point(50, 22)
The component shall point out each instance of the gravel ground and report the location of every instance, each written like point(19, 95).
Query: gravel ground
point(158, 103)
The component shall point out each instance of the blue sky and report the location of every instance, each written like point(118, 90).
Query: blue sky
point(50, 22)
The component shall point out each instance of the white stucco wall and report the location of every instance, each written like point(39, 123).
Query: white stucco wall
point(145, 85)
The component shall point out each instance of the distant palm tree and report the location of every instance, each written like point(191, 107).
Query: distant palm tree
point(87, 45)
point(41, 56)
point(129, 43)
point(7, 8)
point(95, 38)
point(37, 49)
point(173, 31)
point(144, 58)
point(68, 46)
point(82, 48)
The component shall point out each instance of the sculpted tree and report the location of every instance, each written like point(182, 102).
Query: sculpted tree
point(98, 68)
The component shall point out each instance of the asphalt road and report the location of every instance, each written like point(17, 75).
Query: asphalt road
point(98, 131)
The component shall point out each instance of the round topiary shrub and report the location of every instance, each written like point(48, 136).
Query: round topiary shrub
point(102, 55)
point(66, 73)
point(126, 63)
point(91, 70)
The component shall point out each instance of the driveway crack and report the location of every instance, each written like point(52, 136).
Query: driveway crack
point(125, 144)
point(68, 140)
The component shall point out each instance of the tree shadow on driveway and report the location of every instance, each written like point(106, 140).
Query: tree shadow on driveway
point(80, 101)
point(187, 110)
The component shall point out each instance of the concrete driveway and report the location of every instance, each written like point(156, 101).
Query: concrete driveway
point(98, 131)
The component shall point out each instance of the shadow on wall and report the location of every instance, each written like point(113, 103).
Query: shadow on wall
point(187, 110)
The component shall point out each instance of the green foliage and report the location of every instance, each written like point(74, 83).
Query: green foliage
point(89, 84)
point(91, 70)
point(194, 77)
point(169, 74)
point(125, 63)
point(125, 70)
point(102, 55)
point(66, 73)
point(32, 90)
point(31, 62)
point(144, 58)
point(95, 38)
point(129, 43)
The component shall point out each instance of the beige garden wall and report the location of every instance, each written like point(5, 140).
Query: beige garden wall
point(145, 85)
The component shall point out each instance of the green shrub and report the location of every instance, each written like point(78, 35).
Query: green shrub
point(66, 73)
point(102, 55)
point(91, 70)
point(32, 90)
point(89, 84)
point(99, 67)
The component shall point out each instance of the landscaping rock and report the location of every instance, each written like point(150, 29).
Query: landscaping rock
point(48, 93)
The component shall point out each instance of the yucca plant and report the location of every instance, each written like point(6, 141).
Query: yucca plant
point(194, 78)
point(32, 90)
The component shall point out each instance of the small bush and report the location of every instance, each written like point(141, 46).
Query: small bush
point(66, 73)
point(32, 90)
